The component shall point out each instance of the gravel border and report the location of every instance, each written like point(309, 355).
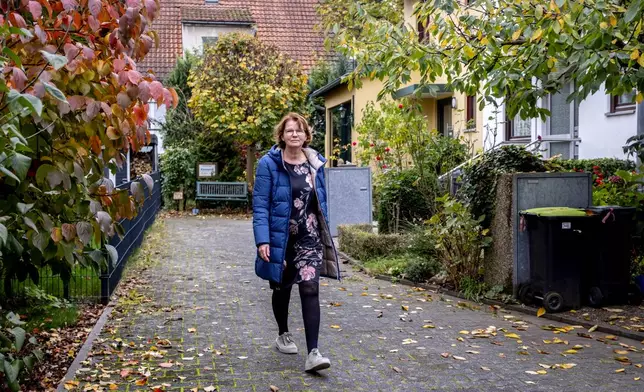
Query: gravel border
point(559, 317)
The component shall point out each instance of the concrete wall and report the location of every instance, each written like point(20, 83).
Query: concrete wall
point(192, 33)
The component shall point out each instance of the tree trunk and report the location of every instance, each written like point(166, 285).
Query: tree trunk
point(250, 166)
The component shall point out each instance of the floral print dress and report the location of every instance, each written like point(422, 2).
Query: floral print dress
point(304, 250)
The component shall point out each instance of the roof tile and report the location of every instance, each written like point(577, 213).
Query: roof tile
point(288, 24)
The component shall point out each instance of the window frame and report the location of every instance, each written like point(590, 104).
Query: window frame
point(617, 107)
point(509, 129)
point(470, 111)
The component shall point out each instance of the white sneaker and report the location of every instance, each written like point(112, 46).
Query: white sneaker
point(285, 343)
point(316, 361)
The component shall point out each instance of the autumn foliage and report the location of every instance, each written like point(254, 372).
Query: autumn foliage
point(72, 102)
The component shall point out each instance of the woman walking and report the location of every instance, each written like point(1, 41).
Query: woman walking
point(290, 222)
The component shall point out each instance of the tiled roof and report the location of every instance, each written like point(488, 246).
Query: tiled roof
point(216, 14)
point(288, 24)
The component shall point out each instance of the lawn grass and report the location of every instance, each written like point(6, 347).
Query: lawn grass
point(45, 319)
point(391, 265)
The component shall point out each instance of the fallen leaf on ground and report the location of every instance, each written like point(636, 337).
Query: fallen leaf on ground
point(142, 381)
point(464, 332)
point(610, 337)
point(512, 336)
point(620, 352)
point(192, 330)
point(428, 326)
point(614, 310)
point(69, 385)
point(472, 352)
point(405, 307)
point(335, 326)
point(445, 355)
point(459, 358)
point(166, 365)
point(622, 359)
point(570, 351)
point(397, 370)
point(209, 389)
point(620, 370)
point(541, 312)
point(113, 387)
point(274, 388)
point(487, 369)
point(593, 328)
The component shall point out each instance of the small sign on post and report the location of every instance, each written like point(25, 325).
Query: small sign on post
point(207, 170)
point(177, 196)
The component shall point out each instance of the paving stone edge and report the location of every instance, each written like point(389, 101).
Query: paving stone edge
point(85, 349)
point(517, 308)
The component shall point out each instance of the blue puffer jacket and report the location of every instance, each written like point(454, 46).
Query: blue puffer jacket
point(272, 200)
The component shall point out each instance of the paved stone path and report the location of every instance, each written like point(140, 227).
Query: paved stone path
point(204, 299)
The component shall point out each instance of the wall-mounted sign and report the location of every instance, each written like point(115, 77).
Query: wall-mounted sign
point(207, 170)
point(177, 196)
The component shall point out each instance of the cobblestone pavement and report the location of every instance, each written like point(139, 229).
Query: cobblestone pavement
point(204, 300)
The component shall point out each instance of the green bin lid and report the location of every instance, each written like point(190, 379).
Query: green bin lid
point(556, 211)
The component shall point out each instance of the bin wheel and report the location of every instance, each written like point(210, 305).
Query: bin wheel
point(595, 297)
point(526, 294)
point(553, 301)
point(634, 295)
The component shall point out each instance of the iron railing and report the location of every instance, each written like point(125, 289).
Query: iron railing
point(85, 283)
point(134, 230)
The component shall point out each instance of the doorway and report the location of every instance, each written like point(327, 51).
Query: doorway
point(444, 111)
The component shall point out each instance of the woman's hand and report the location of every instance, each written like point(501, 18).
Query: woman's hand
point(265, 252)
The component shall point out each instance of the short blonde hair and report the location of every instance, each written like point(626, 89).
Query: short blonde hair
point(303, 124)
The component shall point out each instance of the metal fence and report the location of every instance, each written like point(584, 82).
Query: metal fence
point(134, 230)
point(86, 284)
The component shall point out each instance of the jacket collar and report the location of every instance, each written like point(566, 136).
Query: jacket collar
point(316, 160)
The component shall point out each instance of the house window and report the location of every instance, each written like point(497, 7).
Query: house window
point(209, 41)
point(470, 112)
point(621, 103)
point(421, 27)
point(562, 125)
point(518, 128)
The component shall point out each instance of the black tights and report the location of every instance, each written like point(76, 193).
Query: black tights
point(309, 294)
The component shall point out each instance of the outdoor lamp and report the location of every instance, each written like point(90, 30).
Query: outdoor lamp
point(454, 103)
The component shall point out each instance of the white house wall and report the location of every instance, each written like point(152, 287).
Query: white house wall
point(601, 134)
point(192, 34)
point(156, 115)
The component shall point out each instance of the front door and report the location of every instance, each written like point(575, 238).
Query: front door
point(444, 111)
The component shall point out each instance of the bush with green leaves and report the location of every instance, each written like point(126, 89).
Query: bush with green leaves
point(460, 240)
point(395, 135)
point(404, 199)
point(480, 177)
point(360, 242)
point(178, 168)
point(18, 351)
point(608, 166)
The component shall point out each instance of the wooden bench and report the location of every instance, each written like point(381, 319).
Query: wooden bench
point(222, 191)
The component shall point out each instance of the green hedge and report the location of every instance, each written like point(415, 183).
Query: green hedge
point(404, 194)
point(608, 166)
point(360, 242)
